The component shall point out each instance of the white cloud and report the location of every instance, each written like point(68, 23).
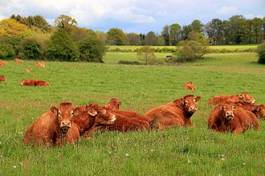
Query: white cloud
point(228, 10)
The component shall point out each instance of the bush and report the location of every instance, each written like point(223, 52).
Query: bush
point(129, 62)
point(6, 51)
point(261, 53)
point(91, 49)
point(62, 47)
point(146, 54)
point(31, 49)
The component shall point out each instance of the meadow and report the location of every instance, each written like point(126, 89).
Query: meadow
point(177, 151)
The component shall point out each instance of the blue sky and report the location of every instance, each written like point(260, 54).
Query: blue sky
point(133, 15)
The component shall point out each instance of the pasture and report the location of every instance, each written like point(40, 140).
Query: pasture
point(178, 151)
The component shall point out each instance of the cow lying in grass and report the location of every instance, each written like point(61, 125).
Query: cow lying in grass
point(34, 83)
point(125, 120)
point(258, 110)
point(52, 125)
point(243, 97)
point(2, 63)
point(189, 86)
point(176, 113)
point(89, 117)
point(2, 78)
point(65, 124)
point(231, 118)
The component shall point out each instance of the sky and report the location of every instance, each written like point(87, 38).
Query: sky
point(133, 15)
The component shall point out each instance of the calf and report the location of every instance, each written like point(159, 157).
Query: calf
point(91, 116)
point(40, 64)
point(189, 86)
point(34, 83)
point(51, 126)
point(2, 78)
point(176, 113)
point(18, 61)
point(231, 118)
point(113, 104)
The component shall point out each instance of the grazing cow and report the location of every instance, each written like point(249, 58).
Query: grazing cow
point(231, 118)
point(34, 83)
point(2, 78)
point(176, 113)
point(2, 63)
point(113, 104)
point(40, 64)
point(189, 86)
point(51, 126)
point(91, 116)
point(243, 97)
point(18, 61)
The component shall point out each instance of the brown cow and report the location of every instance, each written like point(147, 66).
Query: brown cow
point(231, 118)
point(34, 83)
point(51, 126)
point(2, 78)
point(2, 63)
point(189, 86)
point(113, 104)
point(176, 113)
point(258, 110)
point(90, 117)
point(40, 64)
point(18, 61)
point(243, 97)
point(28, 70)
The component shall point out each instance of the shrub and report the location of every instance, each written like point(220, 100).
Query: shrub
point(31, 49)
point(147, 54)
point(6, 50)
point(62, 47)
point(91, 49)
point(261, 53)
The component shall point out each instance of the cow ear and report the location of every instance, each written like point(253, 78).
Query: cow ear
point(54, 110)
point(197, 98)
point(93, 114)
point(76, 111)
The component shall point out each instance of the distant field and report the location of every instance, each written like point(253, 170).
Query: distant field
point(214, 48)
point(178, 151)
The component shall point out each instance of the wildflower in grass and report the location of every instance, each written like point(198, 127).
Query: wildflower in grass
point(152, 150)
point(127, 155)
point(244, 164)
point(189, 161)
point(14, 166)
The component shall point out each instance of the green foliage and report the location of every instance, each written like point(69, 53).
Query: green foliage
point(62, 47)
point(91, 49)
point(6, 50)
point(31, 49)
point(261, 53)
point(194, 48)
point(116, 36)
point(65, 22)
point(150, 38)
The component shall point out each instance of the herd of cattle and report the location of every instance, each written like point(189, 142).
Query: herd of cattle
point(68, 124)
point(28, 82)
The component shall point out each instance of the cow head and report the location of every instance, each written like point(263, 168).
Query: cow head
point(190, 103)
point(245, 97)
point(260, 111)
point(101, 114)
point(228, 111)
point(114, 104)
point(64, 114)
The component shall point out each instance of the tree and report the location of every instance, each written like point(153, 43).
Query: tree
point(185, 32)
point(134, 39)
point(101, 36)
point(174, 33)
point(261, 53)
point(165, 34)
point(150, 38)
point(196, 26)
point(116, 36)
point(62, 47)
point(31, 49)
point(65, 22)
point(215, 31)
point(91, 49)
point(193, 48)
point(147, 54)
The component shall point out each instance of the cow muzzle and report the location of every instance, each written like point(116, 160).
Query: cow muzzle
point(64, 127)
point(229, 115)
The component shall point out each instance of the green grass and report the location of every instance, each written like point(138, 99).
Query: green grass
point(219, 48)
point(178, 151)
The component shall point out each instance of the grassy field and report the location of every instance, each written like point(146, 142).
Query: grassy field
point(215, 48)
point(178, 151)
